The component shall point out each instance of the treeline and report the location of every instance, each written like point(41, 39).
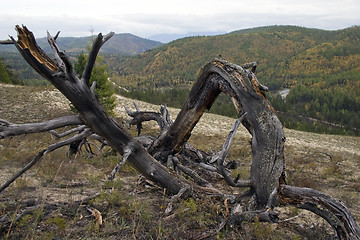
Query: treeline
point(19, 71)
point(6, 74)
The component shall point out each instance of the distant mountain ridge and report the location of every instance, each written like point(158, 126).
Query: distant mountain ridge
point(121, 44)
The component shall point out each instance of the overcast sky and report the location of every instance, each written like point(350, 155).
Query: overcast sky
point(145, 18)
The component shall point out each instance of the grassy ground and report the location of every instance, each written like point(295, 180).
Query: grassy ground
point(58, 190)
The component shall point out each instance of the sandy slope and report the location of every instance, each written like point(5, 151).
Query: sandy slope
point(211, 124)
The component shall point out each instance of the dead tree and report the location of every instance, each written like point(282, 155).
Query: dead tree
point(266, 187)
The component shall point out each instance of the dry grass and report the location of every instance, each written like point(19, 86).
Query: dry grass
point(132, 209)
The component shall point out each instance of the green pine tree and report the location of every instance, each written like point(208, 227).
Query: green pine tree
point(4, 76)
point(103, 89)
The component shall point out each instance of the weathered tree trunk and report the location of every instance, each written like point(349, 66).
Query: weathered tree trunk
point(262, 123)
point(92, 114)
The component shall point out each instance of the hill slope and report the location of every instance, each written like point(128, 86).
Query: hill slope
point(277, 49)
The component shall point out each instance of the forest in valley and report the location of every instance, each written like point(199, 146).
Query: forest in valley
point(321, 69)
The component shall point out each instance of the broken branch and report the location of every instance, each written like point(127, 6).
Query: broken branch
point(220, 157)
point(333, 211)
point(98, 42)
point(8, 129)
point(49, 149)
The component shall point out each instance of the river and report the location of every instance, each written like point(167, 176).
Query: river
point(284, 92)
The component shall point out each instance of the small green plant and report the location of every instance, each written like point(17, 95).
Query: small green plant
point(242, 172)
point(333, 170)
point(21, 183)
point(262, 231)
point(27, 225)
point(297, 237)
point(37, 215)
point(114, 184)
point(199, 216)
point(25, 221)
point(191, 204)
point(115, 198)
point(58, 224)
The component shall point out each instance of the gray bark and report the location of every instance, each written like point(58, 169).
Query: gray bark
point(61, 74)
point(332, 210)
point(262, 123)
point(8, 129)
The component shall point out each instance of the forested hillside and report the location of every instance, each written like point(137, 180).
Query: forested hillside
point(321, 68)
point(176, 63)
point(6, 74)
